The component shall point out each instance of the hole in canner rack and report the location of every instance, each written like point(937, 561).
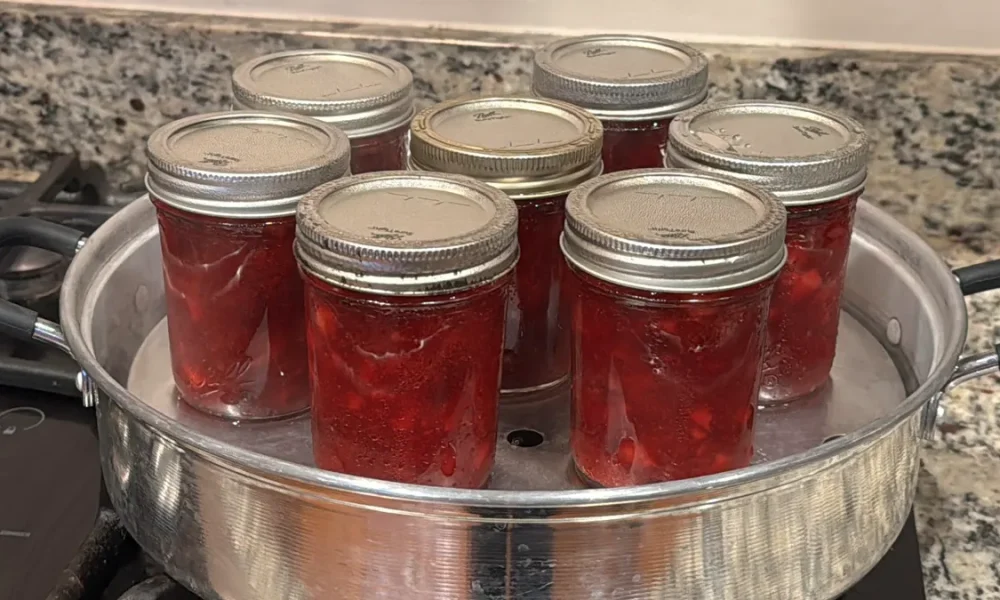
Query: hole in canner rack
point(525, 438)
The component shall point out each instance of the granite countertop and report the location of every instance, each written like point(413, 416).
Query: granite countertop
point(99, 83)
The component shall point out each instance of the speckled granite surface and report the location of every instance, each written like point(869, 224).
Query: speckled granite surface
point(101, 83)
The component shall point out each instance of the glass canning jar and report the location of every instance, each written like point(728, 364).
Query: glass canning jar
point(671, 276)
point(536, 151)
point(225, 186)
point(815, 161)
point(634, 84)
point(407, 277)
point(369, 97)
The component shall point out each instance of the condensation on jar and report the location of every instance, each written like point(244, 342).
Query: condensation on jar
point(369, 97)
point(671, 273)
point(407, 277)
point(815, 162)
point(225, 187)
point(536, 151)
point(634, 84)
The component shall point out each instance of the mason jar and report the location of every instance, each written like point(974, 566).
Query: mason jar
point(369, 97)
point(634, 84)
point(225, 187)
point(536, 151)
point(671, 274)
point(815, 161)
point(407, 277)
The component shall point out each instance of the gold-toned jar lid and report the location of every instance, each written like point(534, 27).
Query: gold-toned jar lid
point(527, 147)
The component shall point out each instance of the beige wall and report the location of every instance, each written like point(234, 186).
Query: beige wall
point(950, 25)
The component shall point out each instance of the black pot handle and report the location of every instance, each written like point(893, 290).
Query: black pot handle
point(972, 279)
point(982, 277)
point(16, 321)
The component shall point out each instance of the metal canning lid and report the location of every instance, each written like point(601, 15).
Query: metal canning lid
point(622, 77)
point(406, 233)
point(243, 165)
point(802, 154)
point(671, 230)
point(363, 94)
point(527, 147)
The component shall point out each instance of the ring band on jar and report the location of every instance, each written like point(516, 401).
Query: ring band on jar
point(815, 161)
point(225, 187)
point(634, 84)
point(536, 151)
point(407, 278)
point(671, 274)
point(368, 97)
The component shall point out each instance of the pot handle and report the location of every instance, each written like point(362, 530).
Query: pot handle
point(17, 321)
point(24, 324)
point(972, 279)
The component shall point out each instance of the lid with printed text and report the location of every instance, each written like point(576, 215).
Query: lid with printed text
point(243, 164)
point(527, 147)
point(622, 77)
point(673, 230)
point(406, 233)
point(363, 94)
point(802, 154)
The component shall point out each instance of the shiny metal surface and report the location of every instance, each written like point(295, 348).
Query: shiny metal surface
point(362, 94)
point(244, 164)
point(861, 392)
point(674, 231)
point(400, 232)
point(527, 147)
point(622, 77)
point(50, 333)
point(803, 154)
point(234, 524)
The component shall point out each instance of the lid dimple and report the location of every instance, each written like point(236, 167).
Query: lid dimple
point(399, 233)
point(676, 214)
point(363, 94)
point(803, 154)
point(243, 164)
point(528, 147)
point(402, 217)
point(251, 147)
point(622, 77)
point(673, 230)
point(513, 128)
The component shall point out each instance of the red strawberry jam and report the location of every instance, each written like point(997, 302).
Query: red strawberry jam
point(665, 385)
point(805, 310)
point(227, 226)
point(634, 144)
point(668, 305)
point(535, 150)
point(536, 351)
point(407, 282)
point(367, 96)
point(815, 162)
point(384, 151)
point(634, 84)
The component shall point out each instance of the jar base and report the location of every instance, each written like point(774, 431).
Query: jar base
point(776, 398)
point(235, 416)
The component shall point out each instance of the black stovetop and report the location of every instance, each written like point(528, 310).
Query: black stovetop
point(59, 538)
